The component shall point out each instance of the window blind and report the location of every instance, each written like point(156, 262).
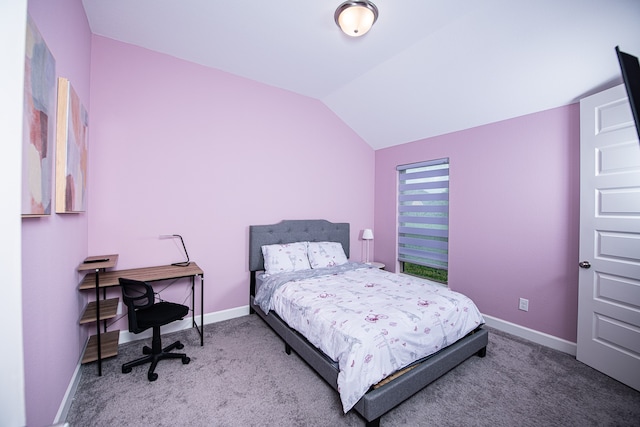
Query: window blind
point(423, 213)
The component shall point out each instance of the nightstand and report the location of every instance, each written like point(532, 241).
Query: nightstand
point(377, 265)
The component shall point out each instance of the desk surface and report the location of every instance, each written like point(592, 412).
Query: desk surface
point(98, 262)
point(147, 274)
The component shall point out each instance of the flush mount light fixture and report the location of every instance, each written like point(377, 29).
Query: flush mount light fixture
point(356, 17)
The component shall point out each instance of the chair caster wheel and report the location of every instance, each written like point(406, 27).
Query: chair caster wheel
point(152, 377)
point(186, 360)
point(179, 345)
point(146, 350)
point(126, 370)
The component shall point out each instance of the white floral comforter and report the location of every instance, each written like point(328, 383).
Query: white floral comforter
point(370, 321)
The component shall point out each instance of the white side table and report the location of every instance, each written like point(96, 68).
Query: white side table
point(376, 265)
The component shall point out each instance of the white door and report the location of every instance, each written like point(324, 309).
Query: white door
point(609, 279)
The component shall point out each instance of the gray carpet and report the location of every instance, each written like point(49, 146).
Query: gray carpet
point(243, 377)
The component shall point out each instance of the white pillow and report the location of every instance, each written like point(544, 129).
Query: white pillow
point(285, 258)
point(326, 254)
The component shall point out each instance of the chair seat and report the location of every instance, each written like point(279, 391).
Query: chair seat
point(161, 313)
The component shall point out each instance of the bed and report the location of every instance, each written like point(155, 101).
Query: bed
point(399, 384)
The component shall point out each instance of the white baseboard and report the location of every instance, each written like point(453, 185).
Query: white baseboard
point(61, 416)
point(531, 335)
point(126, 336)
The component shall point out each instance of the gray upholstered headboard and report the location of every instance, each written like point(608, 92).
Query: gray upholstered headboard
point(290, 231)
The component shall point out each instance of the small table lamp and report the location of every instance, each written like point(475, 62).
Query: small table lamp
point(178, 264)
point(367, 235)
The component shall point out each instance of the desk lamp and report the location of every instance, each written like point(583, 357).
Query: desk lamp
point(179, 264)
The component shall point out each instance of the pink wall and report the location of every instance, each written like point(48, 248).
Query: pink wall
point(180, 148)
point(514, 215)
point(52, 247)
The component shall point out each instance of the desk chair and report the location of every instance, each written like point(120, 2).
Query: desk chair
point(145, 313)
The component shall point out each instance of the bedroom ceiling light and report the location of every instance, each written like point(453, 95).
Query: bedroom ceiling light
point(356, 17)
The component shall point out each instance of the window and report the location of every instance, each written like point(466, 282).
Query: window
point(423, 219)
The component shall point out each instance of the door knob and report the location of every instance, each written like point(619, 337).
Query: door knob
point(584, 264)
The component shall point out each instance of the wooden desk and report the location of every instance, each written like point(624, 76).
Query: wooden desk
point(106, 279)
point(146, 274)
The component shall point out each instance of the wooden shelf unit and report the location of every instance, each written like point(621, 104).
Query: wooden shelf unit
point(102, 344)
point(108, 310)
point(108, 346)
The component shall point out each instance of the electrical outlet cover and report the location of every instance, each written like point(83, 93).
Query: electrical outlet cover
point(524, 304)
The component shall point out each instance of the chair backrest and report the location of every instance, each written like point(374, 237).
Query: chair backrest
point(136, 295)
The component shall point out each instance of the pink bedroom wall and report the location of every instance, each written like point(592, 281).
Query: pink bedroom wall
point(52, 247)
point(180, 148)
point(514, 215)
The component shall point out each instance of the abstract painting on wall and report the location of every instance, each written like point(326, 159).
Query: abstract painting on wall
point(38, 124)
point(71, 152)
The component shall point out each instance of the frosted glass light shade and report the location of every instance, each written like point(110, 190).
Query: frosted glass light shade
point(367, 234)
point(355, 18)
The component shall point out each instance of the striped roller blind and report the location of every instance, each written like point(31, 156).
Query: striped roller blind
point(423, 216)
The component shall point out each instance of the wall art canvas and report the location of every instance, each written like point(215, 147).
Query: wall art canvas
point(71, 152)
point(38, 124)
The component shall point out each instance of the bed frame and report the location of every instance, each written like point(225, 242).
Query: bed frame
point(381, 398)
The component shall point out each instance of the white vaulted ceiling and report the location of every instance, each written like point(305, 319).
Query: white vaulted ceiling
point(426, 68)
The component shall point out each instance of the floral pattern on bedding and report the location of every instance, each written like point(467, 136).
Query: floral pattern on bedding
point(372, 322)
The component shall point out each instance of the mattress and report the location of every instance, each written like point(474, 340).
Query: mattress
point(371, 322)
